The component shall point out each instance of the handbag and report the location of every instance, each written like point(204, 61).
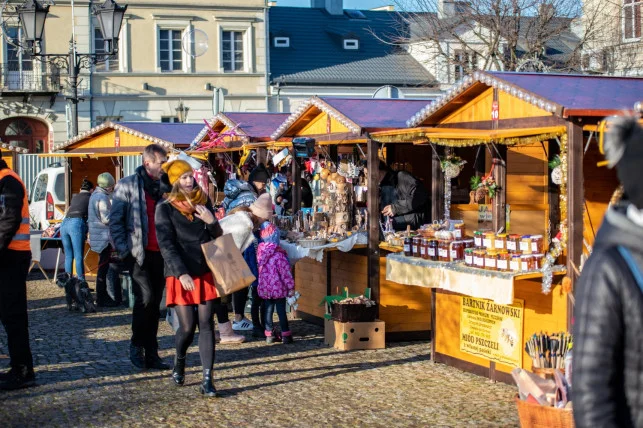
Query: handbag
point(231, 272)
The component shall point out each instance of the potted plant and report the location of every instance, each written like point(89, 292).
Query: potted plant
point(452, 166)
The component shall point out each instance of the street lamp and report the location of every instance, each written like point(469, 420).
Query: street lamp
point(33, 14)
point(182, 112)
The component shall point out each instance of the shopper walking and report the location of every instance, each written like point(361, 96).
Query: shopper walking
point(73, 230)
point(100, 204)
point(275, 281)
point(15, 257)
point(131, 225)
point(184, 221)
point(607, 377)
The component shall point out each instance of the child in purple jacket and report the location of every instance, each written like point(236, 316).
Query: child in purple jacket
point(275, 281)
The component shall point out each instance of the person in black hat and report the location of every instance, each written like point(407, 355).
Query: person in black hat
point(258, 178)
point(607, 376)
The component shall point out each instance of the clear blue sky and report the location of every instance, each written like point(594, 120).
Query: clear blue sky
point(348, 4)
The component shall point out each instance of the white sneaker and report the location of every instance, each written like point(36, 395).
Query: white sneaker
point(243, 325)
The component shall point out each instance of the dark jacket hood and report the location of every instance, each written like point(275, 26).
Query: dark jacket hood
point(618, 229)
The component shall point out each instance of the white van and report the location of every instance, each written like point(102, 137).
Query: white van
point(47, 198)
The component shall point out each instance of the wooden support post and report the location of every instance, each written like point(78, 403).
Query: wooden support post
point(296, 185)
point(575, 203)
point(437, 187)
point(262, 155)
point(500, 201)
point(373, 207)
point(332, 151)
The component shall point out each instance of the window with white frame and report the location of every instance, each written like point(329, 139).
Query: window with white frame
point(170, 52)
point(351, 44)
point(631, 19)
point(463, 63)
point(232, 50)
point(282, 42)
point(101, 47)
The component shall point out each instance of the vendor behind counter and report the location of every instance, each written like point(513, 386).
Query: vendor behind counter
point(403, 197)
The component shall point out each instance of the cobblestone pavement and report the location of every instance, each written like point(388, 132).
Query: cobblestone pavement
point(85, 379)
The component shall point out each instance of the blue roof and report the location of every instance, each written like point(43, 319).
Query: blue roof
point(176, 133)
point(316, 54)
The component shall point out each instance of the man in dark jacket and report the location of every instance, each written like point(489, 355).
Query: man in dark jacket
point(15, 257)
point(607, 376)
point(131, 226)
point(402, 197)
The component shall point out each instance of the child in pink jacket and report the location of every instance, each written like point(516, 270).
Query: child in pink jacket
point(275, 281)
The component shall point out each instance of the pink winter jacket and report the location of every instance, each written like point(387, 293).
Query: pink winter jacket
point(275, 279)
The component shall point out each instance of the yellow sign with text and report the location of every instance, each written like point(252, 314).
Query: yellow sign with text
point(492, 331)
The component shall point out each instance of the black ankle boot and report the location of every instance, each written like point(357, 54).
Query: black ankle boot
point(207, 388)
point(178, 374)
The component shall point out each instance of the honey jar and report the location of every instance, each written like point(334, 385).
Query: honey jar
point(491, 260)
point(424, 249)
point(515, 263)
point(456, 252)
point(458, 230)
point(469, 243)
point(527, 263)
point(408, 244)
point(468, 256)
point(537, 244)
point(503, 261)
point(513, 243)
point(539, 260)
point(525, 244)
point(433, 249)
point(478, 236)
point(443, 251)
point(500, 242)
point(488, 241)
point(416, 246)
point(478, 257)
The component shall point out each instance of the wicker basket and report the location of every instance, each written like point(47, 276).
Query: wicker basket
point(537, 416)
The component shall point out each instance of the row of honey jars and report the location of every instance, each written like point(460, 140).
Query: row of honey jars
point(502, 260)
point(436, 250)
point(526, 244)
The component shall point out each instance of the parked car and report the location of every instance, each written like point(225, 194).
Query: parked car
point(47, 198)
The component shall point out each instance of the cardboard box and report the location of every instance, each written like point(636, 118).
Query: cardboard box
point(347, 336)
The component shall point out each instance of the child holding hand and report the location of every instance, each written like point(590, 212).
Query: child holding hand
point(275, 281)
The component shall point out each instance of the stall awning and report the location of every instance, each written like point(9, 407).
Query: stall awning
point(457, 137)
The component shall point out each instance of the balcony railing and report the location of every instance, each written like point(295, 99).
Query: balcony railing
point(29, 77)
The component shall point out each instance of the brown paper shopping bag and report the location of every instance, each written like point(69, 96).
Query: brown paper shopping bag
point(230, 270)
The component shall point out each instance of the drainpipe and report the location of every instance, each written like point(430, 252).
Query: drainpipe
point(267, 53)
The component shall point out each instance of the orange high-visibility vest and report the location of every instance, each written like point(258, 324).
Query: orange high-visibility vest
point(20, 241)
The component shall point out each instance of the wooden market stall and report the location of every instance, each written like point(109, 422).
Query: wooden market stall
point(519, 122)
point(339, 125)
point(107, 147)
point(10, 153)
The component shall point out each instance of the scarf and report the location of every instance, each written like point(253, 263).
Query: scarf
point(151, 186)
point(186, 203)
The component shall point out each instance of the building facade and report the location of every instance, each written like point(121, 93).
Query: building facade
point(204, 55)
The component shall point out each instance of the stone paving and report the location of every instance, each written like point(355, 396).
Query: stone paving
point(85, 379)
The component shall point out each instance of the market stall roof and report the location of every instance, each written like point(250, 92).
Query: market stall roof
point(168, 135)
point(354, 116)
point(562, 95)
point(244, 128)
point(9, 148)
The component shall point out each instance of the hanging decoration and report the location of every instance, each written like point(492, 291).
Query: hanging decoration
point(559, 243)
point(556, 170)
point(451, 166)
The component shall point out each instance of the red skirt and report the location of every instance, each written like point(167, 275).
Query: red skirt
point(204, 290)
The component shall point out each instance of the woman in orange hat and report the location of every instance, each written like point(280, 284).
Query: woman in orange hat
point(184, 221)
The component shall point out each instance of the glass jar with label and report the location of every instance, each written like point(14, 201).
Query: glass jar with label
point(539, 260)
point(537, 244)
point(525, 244)
point(527, 263)
point(500, 241)
point(433, 249)
point(468, 256)
point(478, 236)
point(458, 230)
point(488, 241)
point(478, 257)
point(424, 249)
point(491, 260)
point(408, 246)
point(515, 263)
point(456, 252)
point(416, 246)
point(513, 243)
point(469, 243)
point(443, 250)
point(503, 261)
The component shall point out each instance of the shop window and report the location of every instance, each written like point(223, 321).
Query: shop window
point(631, 19)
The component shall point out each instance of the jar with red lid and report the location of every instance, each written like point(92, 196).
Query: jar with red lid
point(433, 249)
point(417, 241)
point(527, 263)
point(443, 250)
point(424, 249)
point(491, 260)
point(513, 243)
point(456, 252)
point(503, 261)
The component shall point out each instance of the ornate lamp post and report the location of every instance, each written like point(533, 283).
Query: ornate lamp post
point(182, 112)
point(33, 14)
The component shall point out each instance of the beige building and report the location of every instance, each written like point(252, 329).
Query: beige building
point(169, 51)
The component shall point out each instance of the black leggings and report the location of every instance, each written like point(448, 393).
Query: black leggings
point(187, 327)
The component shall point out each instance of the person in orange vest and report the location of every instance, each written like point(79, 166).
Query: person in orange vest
point(15, 257)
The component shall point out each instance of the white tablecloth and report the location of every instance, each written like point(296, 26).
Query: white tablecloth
point(296, 252)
